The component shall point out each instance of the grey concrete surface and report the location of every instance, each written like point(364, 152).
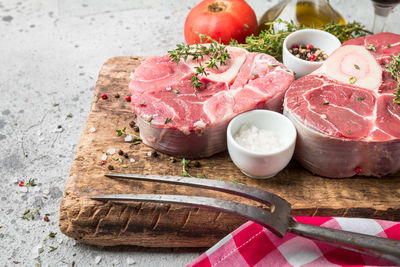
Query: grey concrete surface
point(50, 55)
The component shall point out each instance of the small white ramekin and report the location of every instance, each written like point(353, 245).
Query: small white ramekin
point(262, 164)
point(321, 39)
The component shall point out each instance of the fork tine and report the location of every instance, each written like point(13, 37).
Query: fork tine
point(258, 215)
point(275, 202)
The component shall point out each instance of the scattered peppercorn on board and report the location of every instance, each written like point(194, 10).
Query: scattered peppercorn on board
point(164, 225)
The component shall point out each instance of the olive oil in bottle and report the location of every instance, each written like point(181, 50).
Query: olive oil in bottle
point(302, 12)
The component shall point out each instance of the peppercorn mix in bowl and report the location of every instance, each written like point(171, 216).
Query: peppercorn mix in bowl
point(306, 50)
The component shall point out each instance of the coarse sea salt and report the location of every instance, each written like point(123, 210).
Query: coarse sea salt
point(258, 140)
point(111, 151)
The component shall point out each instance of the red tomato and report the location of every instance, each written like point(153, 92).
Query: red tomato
point(221, 20)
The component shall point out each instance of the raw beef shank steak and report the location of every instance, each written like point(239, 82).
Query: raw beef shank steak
point(346, 119)
point(177, 119)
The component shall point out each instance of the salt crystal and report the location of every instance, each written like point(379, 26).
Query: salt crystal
point(36, 251)
point(132, 160)
point(149, 154)
point(131, 76)
point(24, 189)
point(46, 191)
point(130, 261)
point(104, 157)
point(60, 241)
point(97, 260)
point(168, 88)
point(92, 129)
point(128, 138)
point(111, 151)
point(323, 116)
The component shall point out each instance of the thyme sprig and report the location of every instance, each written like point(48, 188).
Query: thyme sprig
point(217, 55)
point(185, 164)
point(30, 215)
point(271, 42)
point(394, 69)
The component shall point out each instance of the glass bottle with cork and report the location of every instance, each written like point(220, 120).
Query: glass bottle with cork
point(302, 12)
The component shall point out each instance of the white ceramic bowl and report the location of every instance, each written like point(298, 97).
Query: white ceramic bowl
point(321, 39)
point(262, 164)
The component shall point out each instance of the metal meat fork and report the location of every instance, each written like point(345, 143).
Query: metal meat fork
point(277, 219)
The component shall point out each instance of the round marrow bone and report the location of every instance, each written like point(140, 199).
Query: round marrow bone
point(353, 64)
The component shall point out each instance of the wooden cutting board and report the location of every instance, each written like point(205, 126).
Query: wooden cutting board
point(163, 225)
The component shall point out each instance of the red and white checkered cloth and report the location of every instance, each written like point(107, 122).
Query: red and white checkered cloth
point(253, 245)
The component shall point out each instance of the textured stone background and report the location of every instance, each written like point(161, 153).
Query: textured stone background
point(50, 53)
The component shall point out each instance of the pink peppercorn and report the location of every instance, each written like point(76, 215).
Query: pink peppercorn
point(312, 57)
point(357, 170)
point(21, 184)
point(128, 98)
point(104, 96)
point(309, 47)
point(295, 46)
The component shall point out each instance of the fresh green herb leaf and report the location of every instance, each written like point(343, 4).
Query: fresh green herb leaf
point(388, 45)
point(360, 98)
point(1, 226)
point(56, 105)
point(371, 47)
point(235, 181)
point(185, 164)
point(121, 132)
point(356, 67)
point(69, 115)
point(272, 66)
point(150, 118)
point(52, 234)
point(168, 120)
point(30, 215)
point(118, 159)
point(31, 182)
point(271, 42)
point(52, 248)
point(41, 250)
point(142, 104)
point(394, 69)
point(348, 131)
point(246, 26)
point(202, 176)
point(217, 55)
point(325, 103)
point(137, 142)
point(175, 91)
point(352, 80)
point(124, 166)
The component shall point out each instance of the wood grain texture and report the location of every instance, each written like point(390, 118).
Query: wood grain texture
point(162, 225)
